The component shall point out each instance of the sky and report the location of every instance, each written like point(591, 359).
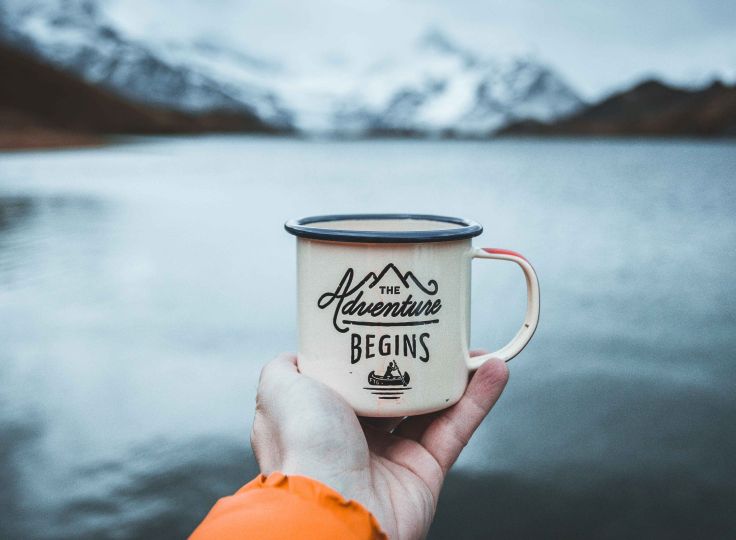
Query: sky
point(598, 46)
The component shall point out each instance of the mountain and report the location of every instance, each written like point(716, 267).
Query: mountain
point(649, 108)
point(441, 88)
point(41, 105)
point(75, 36)
point(435, 87)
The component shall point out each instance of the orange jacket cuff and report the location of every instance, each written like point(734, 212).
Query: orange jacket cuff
point(278, 507)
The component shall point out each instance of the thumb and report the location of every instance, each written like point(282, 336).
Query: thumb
point(448, 433)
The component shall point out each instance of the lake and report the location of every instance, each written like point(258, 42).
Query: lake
point(143, 285)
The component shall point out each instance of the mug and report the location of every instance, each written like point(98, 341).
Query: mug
point(384, 308)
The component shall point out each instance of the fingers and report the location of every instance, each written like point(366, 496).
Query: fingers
point(302, 424)
point(448, 433)
point(275, 378)
point(415, 426)
point(283, 364)
point(264, 435)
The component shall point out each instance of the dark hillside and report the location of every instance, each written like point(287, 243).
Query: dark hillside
point(39, 100)
point(650, 108)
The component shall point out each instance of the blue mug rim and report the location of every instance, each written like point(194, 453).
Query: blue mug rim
point(301, 228)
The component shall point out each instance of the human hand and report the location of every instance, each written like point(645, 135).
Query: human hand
point(392, 467)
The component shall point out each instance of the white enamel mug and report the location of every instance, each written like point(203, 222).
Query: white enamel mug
point(384, 308)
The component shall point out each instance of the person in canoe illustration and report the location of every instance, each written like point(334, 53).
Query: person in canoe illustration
point(392, 377)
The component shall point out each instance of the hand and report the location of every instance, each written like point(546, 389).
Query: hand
point(392, 467)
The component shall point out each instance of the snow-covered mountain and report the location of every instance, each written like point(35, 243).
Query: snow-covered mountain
point(435, 87)
point(76, 36)
point(440, 87)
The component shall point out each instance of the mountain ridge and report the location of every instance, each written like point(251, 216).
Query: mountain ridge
point(435, 87)
point(41, 105)
point(649, 108)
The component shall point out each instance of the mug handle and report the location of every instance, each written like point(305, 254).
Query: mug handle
point(522, 337)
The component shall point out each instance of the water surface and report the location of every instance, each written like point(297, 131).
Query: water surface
point(143, 285)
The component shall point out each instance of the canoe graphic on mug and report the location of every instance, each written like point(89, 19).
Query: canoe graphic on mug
point(392, 377)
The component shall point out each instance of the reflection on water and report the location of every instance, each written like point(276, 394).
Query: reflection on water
point(14, 210)
point(142, 286)
point(158, 491)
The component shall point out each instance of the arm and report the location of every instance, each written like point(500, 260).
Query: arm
point(306, 434)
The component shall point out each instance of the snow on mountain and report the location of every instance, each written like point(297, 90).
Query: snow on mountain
point(433, 88)
point(440, 87)
point(307, 93)
point(74, 35)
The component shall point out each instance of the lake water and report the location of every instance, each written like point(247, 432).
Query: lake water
point(143, 285)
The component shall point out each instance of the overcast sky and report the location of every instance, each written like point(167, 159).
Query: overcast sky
point(596, 45)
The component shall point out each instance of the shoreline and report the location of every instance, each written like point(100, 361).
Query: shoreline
point(31, 139)
point(48, 139)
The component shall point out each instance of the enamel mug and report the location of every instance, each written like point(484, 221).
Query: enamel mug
point(384, 308)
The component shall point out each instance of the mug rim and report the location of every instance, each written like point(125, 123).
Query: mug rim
point(300, 227)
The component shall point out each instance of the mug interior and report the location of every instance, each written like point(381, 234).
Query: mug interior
point(385, 225)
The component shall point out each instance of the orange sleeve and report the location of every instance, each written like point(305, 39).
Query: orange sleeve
point(277, 506)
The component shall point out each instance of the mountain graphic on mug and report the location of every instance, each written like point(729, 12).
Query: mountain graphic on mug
point(387, 298)
point(407, 280)
point(390, 276)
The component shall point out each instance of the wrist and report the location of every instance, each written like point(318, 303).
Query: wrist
point(324, 497)
point(352, 485)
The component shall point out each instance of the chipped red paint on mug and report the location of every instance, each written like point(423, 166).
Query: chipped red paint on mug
point(384, 308)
